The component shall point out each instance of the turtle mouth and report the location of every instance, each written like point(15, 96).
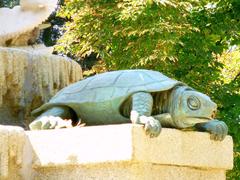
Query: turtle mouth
point(197, 117)
point(204, 118)
point(191, 121)
point(201, 118)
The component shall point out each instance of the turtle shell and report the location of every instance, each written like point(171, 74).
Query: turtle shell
point(109, 87)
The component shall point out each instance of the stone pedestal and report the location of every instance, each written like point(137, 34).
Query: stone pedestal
point(116, 152)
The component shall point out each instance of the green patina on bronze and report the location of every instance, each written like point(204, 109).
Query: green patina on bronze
point(138, 96)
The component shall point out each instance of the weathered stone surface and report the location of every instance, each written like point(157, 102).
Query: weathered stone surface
point(11, 151)
point(113, 152)
point(117, 143)
point(180, 148)
point(128, 171)
point(30, 78)
point(38, 48)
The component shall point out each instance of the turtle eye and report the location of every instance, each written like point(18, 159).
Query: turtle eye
point(193, 103)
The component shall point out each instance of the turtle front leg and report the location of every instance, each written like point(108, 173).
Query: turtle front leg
point(217, 129)
point(53, 118)
point(142, 103)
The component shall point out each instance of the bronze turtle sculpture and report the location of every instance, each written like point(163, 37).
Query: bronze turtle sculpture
point(139, 96)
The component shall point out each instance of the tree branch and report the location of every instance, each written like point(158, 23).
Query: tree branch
point(236, 76)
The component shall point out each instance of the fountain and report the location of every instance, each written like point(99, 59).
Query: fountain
point(29, 74)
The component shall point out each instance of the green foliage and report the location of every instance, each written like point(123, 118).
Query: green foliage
point(9, 3)
point(228, 96)
point(125, 34)
point(187, 40)
point(235, 173)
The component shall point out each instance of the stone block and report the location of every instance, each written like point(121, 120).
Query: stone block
point(12, 145)
point(125, 152)
point(112, 152)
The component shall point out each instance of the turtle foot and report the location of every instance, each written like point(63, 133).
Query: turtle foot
point(152, 126)
point(217, 129)
point(50, 122)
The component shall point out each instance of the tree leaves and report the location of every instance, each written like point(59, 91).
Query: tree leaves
point(184, 40)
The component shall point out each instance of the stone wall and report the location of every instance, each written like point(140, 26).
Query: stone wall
point(112, 152)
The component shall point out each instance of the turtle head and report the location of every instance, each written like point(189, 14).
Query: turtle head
point(189, 107)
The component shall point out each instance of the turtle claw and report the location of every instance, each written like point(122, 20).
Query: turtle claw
point(217, 129)
point(50, 122)
point(152, 127)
